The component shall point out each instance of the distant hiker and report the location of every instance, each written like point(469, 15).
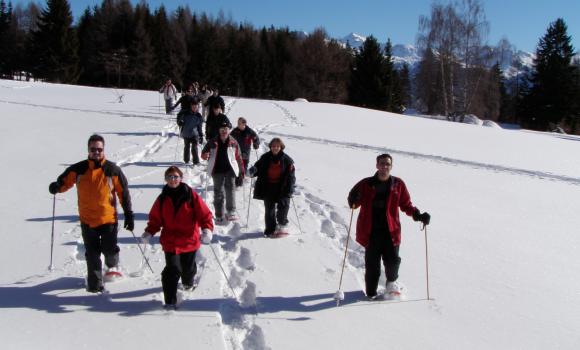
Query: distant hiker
point(185, 102)
point(245, 137)
point(99, 183)
point(169, 94)
point(180, 214)
point(190, 123)
point(275, 186)
point(216, 98)
point(215, 118)
point(204, 94)
point(224, 165)
point(378, 228)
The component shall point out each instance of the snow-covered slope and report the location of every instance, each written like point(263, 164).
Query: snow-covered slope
point(503, 243)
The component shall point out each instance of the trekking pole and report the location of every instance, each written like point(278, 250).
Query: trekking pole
point(51, 267)
point(297, 218)
point(249, 202)
point(426, 261)
point(223, 271)
point(205, 191)
point(142, 252)
point(339, 295)
point(177, 148)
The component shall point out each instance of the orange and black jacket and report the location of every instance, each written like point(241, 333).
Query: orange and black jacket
point(97, 184)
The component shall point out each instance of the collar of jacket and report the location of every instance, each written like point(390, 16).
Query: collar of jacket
point(375, 179)
point(96, 165)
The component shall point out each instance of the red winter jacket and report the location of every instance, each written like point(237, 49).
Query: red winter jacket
point(398, 198)
point(179, 229)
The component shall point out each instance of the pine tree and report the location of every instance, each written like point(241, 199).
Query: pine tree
point(552, 97)
point(367, 83)
point(392, 82)
point(55, 44)
point(405, 83)
point(6, 44)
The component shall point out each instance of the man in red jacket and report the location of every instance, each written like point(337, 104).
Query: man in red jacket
point(378, 228)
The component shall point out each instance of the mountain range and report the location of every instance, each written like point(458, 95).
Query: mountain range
point(511, 61)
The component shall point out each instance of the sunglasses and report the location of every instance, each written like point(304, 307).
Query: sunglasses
point(96, 149)
point(172, 177)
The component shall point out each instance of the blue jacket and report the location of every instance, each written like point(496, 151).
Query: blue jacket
point(191, 125)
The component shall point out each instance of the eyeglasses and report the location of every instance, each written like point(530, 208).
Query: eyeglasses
point(96, 149)
point(172, 177)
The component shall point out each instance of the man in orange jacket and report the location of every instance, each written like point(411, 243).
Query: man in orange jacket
point(98, 181)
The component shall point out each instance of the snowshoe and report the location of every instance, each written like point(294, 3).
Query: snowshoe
point(113, 274)
point(281, 231)
point(221, 221)
point(232, 216)
point(394, 291)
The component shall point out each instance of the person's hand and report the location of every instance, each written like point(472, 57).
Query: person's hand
point(129, 223)
point(53, 188)
point(256, 146)
point(252, 171)
point(425, 218)
point(353, 198)
point(145, 237)
point(206, 236)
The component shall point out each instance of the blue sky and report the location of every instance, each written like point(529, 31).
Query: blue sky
point(523, 22)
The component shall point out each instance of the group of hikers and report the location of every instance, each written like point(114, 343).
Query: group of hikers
point(185, 220)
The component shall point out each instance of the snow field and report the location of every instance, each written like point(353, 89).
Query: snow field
point(503, 244)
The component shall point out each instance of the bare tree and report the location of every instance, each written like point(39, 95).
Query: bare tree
point(474, 31)
point(441, 33)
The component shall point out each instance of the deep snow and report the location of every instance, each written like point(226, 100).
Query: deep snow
point(503, 243)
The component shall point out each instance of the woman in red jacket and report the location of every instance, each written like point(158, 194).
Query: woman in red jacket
point(179, 212)
point(378, 228)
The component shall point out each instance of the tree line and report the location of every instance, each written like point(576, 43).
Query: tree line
point(117, 44)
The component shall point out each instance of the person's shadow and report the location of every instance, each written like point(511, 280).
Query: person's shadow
point(56, 296)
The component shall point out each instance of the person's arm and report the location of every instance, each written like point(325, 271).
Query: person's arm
point(355, 196)
point(122, 189)
point(155, 221)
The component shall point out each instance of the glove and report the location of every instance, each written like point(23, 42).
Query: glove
point(353, 198)
point(145, 237)
point(206, 236)
point(256, 146)
point(129, 223)
point(425, 218)
point(252, 171)
point(53, 188)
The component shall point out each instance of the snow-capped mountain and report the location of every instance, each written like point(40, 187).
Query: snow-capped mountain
point(511, 61)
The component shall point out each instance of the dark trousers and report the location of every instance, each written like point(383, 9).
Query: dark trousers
point(380, 247)
point(276, 212)
point(97, 240)
point(168, 105)
point(190, 148)
point(177, 266)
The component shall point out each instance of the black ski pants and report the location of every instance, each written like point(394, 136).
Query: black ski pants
point(380, 247)
point(190, 148)
point(99, 240)
point(177, 266)
point(275, 212)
